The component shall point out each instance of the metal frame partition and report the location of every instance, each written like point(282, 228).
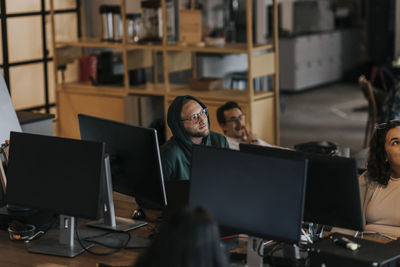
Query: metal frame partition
point(6, 65)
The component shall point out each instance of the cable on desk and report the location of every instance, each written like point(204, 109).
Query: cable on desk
point(43, 229)
point(262, 245)
point(116, 250)
point(92, 240)
point(273, 250)
point(379, 235)
point(259, 248)
point(307, 236)
point(53, 221)
point(359, 233)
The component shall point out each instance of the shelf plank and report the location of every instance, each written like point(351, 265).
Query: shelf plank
point(262, 95)
point(229, 48)
point(148, 89)
point(156, 47)
point(159, 90)
point(263, 47)
point(87, 88)
point(91, 43)
point(218, 95)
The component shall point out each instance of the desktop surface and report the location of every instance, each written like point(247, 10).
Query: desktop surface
point(15, 253)
point(370, 253)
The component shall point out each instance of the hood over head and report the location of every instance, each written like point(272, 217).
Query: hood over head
point(175, 123)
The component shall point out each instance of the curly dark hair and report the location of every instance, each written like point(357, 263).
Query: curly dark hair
point(378, 168)
point(227, 106)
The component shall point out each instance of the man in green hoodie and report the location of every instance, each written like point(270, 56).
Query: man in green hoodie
point(189, 123)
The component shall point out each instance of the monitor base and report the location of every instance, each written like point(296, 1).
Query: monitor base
point(15, 208)
point(254, 255)
point(52, 246)
point(121, 224)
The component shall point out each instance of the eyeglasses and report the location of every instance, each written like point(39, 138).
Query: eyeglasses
point(386, 125)
point(236, 119)
point(196, 117)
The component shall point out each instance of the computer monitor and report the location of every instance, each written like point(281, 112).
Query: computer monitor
point(56, 174)
point(245, 192)
point(332, 192)
point(134, 158)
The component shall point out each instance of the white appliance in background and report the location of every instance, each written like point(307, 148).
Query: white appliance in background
point(8, 117)
point(310, 60)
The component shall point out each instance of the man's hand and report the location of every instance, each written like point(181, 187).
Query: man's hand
point(249, 137)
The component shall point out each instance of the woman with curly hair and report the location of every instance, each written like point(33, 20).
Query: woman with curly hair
point(380, 184)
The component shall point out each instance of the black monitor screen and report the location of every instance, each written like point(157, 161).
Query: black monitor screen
point(332, 192)
point(134, 156)
point(334, 197)
point(245, 192)
point(56, 174)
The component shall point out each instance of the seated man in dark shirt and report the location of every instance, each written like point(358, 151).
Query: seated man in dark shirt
point(189, 123)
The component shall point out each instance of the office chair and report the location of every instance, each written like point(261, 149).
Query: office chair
point(368, 92)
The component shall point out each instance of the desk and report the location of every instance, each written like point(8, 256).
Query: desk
point(14, 253)
point(324, 251)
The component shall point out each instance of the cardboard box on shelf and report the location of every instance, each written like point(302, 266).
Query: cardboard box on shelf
point(190, 26)
point(206, 84)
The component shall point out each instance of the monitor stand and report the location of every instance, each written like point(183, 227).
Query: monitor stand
point(109, 220)
point(64, 244)
point(15, 208)
point(255, 252)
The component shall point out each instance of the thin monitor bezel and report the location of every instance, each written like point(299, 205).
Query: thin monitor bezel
point(84, 118)
point(295, 239)
point(311, 200)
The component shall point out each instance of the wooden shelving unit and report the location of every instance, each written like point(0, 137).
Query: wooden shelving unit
point(261, 108)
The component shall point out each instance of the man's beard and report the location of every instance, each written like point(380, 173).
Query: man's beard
point(239, 128)
point(242, 133)
point(198, 134)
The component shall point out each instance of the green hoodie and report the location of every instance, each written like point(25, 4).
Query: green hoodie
point(176, 153)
